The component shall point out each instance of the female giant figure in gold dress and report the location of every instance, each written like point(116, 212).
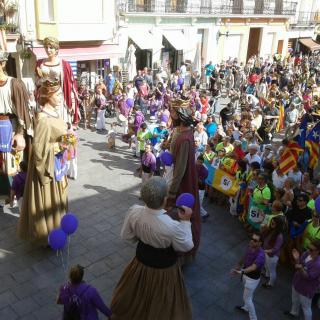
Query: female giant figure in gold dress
point(45, 198)
point(57, 70)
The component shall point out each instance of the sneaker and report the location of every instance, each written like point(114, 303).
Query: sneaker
point(241, 308)
point(205, 217)
point(289, 314)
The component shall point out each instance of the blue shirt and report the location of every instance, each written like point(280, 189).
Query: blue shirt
point(161, 133)
point(209, 68)
point(211, 129)
point(110, 83)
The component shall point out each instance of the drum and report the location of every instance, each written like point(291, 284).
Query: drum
point(122, 119)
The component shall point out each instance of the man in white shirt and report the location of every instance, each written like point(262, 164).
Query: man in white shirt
point(183, 71)
point(201, 134)
point(252, 156)
point(278, 178)
point(296, 175)
point(292, 115)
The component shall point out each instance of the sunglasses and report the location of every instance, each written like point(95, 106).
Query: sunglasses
point(300, 199)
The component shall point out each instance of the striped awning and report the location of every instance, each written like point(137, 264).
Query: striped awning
point(310, 44)
point(83, 53)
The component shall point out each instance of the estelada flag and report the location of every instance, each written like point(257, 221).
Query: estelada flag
point(288, 161)
point(280, 124)
point(225, 183)
point(312, 143)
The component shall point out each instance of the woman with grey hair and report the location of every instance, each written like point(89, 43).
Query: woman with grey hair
point(152, 286)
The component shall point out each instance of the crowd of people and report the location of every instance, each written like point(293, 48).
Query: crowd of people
point(231, 156)
point(272, 184)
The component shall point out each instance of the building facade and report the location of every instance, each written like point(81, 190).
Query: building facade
point(163, 33)
point(87, 35)
point(302, 26)
point(254, 28)
point(199, 31)
point(167, 33)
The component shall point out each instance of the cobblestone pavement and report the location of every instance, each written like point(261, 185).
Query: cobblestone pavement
point(106, 187)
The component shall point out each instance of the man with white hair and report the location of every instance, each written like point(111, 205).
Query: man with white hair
point(253, 156)
point(201, 134)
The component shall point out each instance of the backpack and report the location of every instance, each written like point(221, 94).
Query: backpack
point(73, 308)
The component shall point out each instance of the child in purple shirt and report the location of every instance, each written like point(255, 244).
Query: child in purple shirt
point(18, 183)
point(80, 298)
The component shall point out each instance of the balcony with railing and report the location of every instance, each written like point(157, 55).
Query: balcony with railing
point(306, 18)
point(9, 17)
point(209, 7)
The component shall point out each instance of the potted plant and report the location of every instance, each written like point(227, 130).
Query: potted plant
point(25, 54)
point(11, 28)
point(11, 9)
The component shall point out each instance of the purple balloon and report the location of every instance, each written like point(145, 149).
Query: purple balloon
point(185, 199)
point(317, 205)
point(69, 223)
point(180, 81)
point(129, 103)
point(166, 158)
point(57, 239)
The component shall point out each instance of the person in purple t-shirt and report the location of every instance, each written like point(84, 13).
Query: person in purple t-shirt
point(273, 240)
point(148, 162)
point(80, 299)
point(306, 280)
point(249, 267)
point(18, 184)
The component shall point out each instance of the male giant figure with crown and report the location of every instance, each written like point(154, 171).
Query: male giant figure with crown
point(15, 125)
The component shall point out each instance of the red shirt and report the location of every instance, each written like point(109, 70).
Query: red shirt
point(253, 78)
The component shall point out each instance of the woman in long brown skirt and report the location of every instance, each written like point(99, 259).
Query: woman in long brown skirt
point(152, 286)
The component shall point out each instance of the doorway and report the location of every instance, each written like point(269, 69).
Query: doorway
point(173, 57)
point(280, 47)
point(143, 58)
point(11, 68)
point(254, 42)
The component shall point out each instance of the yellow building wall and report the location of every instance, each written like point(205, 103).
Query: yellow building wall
point(234, 29)
point(46, 28)
point(277, 29)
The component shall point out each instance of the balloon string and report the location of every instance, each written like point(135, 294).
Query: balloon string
point(63, 265)
point(68, 251)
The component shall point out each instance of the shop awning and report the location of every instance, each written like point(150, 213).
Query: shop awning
point(176, 39)
point(310, 44)
point(143, 39)
point(82, 53)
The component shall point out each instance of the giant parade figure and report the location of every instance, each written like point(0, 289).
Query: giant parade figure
point(56, 70)
point(16, 127)
point(45, 193)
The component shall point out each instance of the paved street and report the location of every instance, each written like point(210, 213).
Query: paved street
point(106, 187)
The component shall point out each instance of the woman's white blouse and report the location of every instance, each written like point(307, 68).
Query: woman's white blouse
point(157, 229)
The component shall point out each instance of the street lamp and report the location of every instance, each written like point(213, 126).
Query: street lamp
point(219, 34)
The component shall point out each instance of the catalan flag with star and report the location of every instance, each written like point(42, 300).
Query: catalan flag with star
point(312, 143)
point(294, 148)
point(280, 124)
